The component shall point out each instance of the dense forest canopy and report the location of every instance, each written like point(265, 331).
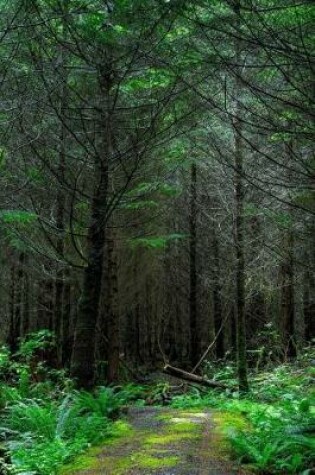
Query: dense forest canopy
point(157, 181)
point(157, 236)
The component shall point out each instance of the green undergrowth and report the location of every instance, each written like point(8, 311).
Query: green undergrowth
point(272, 428)
point(44, 421)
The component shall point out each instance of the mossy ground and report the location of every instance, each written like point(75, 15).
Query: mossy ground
point(161, 441)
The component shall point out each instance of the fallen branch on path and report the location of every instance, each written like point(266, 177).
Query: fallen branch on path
point(192, 378)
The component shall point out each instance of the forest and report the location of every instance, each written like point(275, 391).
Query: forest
point(157, 237)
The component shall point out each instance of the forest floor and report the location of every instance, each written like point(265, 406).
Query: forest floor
point(162, 441)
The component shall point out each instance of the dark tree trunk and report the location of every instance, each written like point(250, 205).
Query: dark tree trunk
point(59, 282)
point(193, 318)
point(83, 355)
point(19, 294)
point(217, 304)
point(61, 202)
point(66, 316)
point(169, 316)
point(13, 331)
point(137, 355)
point(26, 320)
point(239, 217)
point(288, 305)
point(309, 312)
point(112, 314)
point(240, 268)
point(309, 289)
point(82, 362)
point(309, 285)
point(49, 303)
point(136, 312)
point(288, 287)
point(17, 302)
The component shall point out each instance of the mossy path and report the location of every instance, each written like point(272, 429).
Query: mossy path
point(162, 442)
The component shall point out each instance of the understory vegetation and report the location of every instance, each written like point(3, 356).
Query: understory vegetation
point(46, 423)
point(271, 429)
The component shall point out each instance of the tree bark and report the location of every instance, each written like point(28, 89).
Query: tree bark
point(83, 355)
point(287, 300)
point(287, 268)
point(12, 331)
point(193, 319)
point(217, 304)
point(239, 216)
point(112, 314)
point(309, 288)
point(66, 317)
point(82, 362)
point(26, 320)
point(192, 378)
point(60, 248)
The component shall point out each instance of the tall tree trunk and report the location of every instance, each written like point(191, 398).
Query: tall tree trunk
point(136, 311)
point(169, 317)
point(59, 282)
point(217, 303)
point(66, 316)
point(112, 313)
point(83, 360)
point(12, 331)
point(60, 247)
point(19, 294)
point(309, 288)
point(193, 318)
point(287, 300)
point(239, 215)
point(16, 302)
point(288, 285)
point(26, 320)
point(309, 309)
point(240, 264)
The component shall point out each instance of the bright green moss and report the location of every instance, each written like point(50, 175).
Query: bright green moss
point(149, 462)
point(92, 460)
point(84, 462)
point(120, 429)
point(164, 439)
point(183, 425)
point(146, 459)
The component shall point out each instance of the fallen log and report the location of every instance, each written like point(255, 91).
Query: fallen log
point(192, 378)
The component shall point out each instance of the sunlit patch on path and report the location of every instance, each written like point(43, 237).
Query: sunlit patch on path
point(161, 442)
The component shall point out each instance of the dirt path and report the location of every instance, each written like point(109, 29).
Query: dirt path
point(161, 442)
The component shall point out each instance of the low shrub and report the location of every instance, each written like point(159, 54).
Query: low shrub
point(44, 422)
point(279, 416)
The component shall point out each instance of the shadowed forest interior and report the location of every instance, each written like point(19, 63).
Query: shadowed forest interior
point(157, 210)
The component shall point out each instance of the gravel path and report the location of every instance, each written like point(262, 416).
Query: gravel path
point(164, 442)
